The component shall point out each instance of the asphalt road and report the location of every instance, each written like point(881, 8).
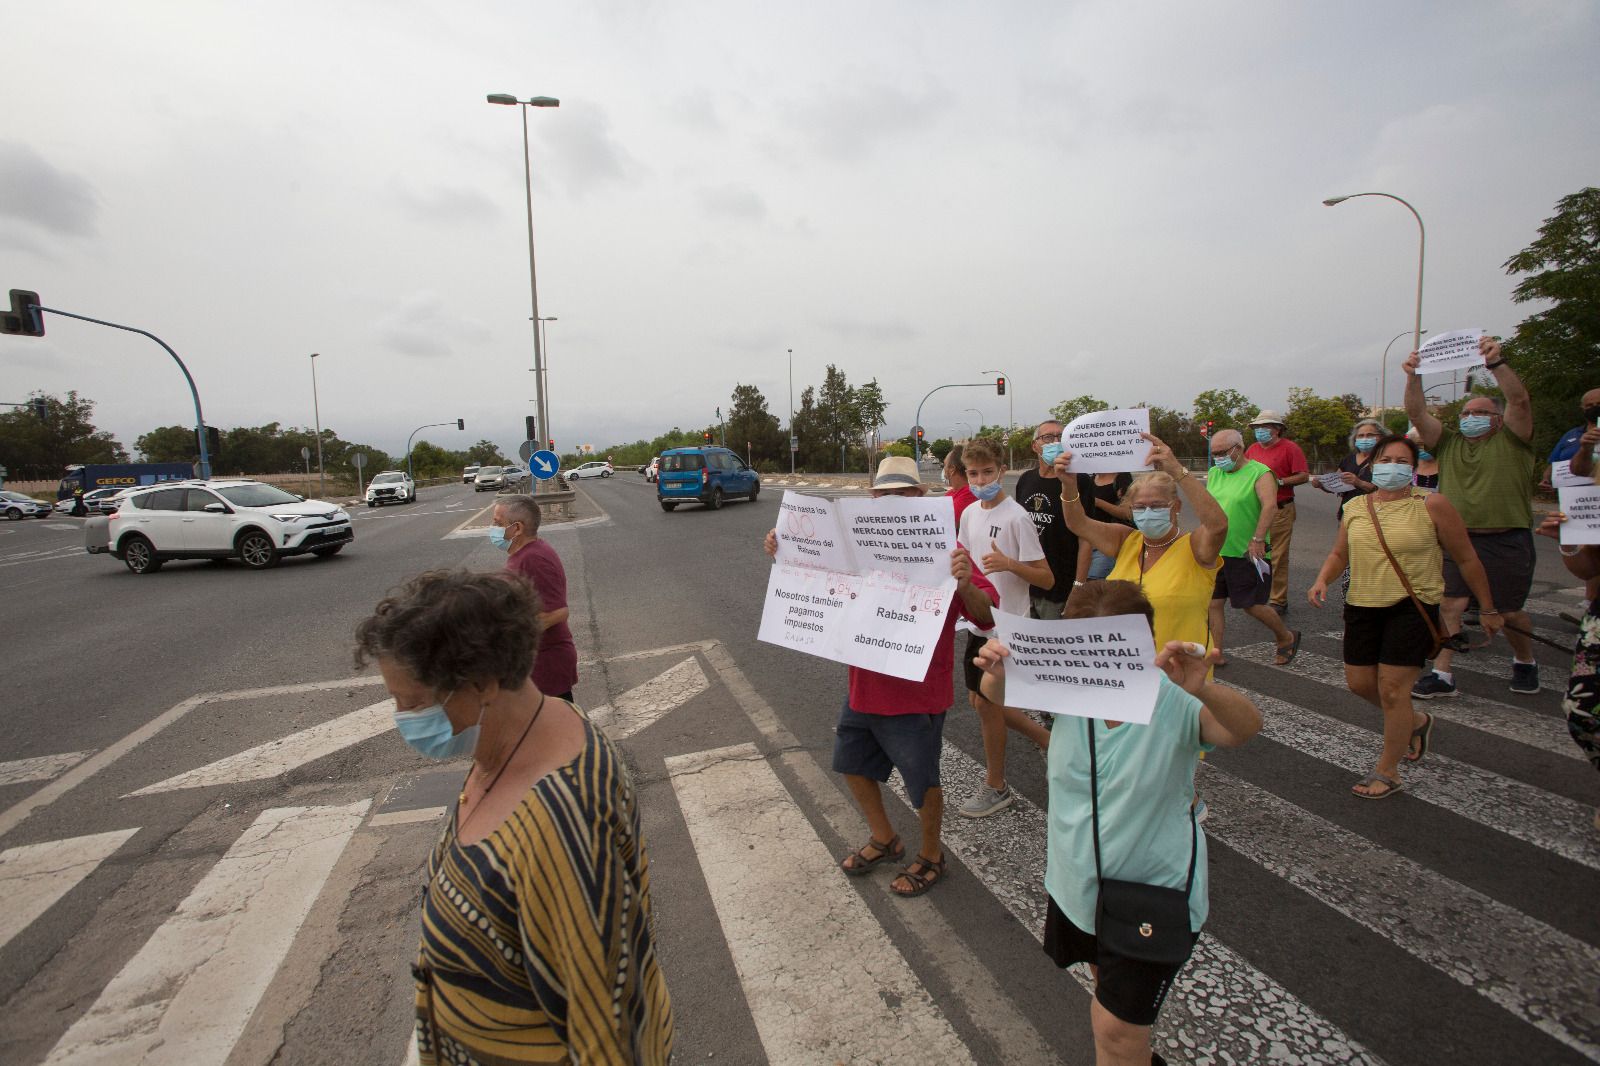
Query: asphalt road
point(1452, 923)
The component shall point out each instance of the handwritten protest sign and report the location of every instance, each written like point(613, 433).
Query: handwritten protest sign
point(1333, 481)
point(1108, 442)
point(1582, 508)
point(861, 581)
point(1454, 350)
point(1562, 477)
point(1084, 667)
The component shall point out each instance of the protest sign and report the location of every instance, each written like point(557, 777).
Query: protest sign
point(1084, 667)
point(1455, 350)
point(1333, 481)
point(1582, 508)
point(863, 582)
point(1108, 442)
point(1562, 477)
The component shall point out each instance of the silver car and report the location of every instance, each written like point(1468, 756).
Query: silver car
point(489, 479)
point(15, 506)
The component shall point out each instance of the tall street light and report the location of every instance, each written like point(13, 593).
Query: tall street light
point(1383, 375)
point(791, 410)
point(544, 340)
point(540, 402)
point(316, 408)
point(1422, 248)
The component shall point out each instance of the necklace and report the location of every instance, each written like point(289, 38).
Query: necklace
point(462, 799)
point(1148, 545)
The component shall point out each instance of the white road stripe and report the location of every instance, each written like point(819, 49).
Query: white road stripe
point(823, 981)
point(41, 768)
point(641, 706)
point(1543, 731)
point(1554, 607)
point(1497, 663)
point(34, 876)
point(416, 814)
point(1222, 1009)
point(1541, 975)
point(285, 753)
point(186, 996)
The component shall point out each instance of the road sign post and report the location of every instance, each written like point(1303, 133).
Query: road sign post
point(544, 464)
point(305, 453)
point(359, 460)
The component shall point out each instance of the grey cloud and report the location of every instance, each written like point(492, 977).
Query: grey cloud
point(848, 123)
point(43, 195)
point(583, 149)
point(880, 332)
point(733, 201)
point(424, 326)
point(446, 205)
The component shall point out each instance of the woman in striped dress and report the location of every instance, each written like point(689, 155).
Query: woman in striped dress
point(537, 943)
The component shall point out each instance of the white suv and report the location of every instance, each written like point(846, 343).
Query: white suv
point(391, 486)
point(255, 523)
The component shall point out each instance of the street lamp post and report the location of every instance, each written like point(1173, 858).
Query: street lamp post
point(1422, 248)
point(1383, 375)
point(791, 411)
point(541, 402)
point(544, 340)
point(969, 428)
point(1011, 415)
point(981, 421)
point(316, 408)
point(459, 423)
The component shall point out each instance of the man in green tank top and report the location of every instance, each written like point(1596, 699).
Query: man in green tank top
point(1247, 492)
point(1486, 469)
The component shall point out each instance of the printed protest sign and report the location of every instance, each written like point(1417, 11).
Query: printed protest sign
point(1562, 477)
point(1582, 508)
point(1084, 667)
point(1333, 481)
point(1455, 350)
point(1108, 442)
point(861, 581)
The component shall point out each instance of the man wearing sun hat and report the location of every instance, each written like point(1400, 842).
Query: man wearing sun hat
point(1288, 464)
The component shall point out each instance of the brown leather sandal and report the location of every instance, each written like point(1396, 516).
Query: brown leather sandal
point(932, 873)
point(863, 862)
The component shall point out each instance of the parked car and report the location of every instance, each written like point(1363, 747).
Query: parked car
point(704, 475)
point(652, 469)
point(255, 523)
point(596, 469)
point(469, 473)
point(16, 506)
point(100, 501)
point(391, 486)
point(489, 479)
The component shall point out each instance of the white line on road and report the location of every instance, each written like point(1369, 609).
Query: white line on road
point(651, 653)
point(1498, 665)
point(285, 753)
point(823, 981)
point(642, 706)
point(34, 876)
point(42, 768)
point(188, 993)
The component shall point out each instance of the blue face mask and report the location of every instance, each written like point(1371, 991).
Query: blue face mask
point(1475, 425)
point(986, 492)
point(1391, 475)
point(1224, 462)
point(1051, 452)
point(1153, 522)
point(1366, 444)
point(1263, 436)
point(430, 733)
point(1424, 455)
point(497, 537)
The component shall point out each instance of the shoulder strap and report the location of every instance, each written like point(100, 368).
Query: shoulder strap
point(1405, 582)
point(1094, 802)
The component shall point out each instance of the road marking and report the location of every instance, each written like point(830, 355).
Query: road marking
point(1539, 974)
point(1545, 732)
point(34, 876)
point(419, 814)
point(1554, 608)
point(641, 706)
point(823, 981)
point(279, 756)
point(651, 653)
point(1499, 665)
point(42, 768)
point(187, 995)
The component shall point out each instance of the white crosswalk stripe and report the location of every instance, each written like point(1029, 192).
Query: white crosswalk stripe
point(34, 876)
point(1496, 662)
point(39, 768)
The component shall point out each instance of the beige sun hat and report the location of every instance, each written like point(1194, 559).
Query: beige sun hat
point(897, 472)
point(1268, 418)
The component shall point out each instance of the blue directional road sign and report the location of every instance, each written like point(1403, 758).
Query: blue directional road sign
point(543, 464)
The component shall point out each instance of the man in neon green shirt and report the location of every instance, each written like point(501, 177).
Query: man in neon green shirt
point(1247, 492)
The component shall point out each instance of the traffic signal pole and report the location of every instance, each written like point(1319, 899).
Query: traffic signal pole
point(916, 446)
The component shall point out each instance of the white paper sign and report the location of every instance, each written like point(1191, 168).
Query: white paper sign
point(861, 581)
point(1454, 350)
point(1333, 481)
point(1582, 508)
point(1562, 477)
point(1084, 667)
point(1108, 442)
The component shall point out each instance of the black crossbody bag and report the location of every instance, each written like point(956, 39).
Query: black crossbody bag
point(1135, 920)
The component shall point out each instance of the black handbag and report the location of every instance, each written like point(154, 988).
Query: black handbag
point(1148, 923)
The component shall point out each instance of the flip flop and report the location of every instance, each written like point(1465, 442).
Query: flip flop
point(1286, 656)
point(1392, 786)
point(1422, 734)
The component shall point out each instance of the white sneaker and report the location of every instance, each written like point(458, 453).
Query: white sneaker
point(986, 801)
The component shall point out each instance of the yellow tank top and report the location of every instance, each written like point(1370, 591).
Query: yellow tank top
point(1176, 586)
point(1412, 538)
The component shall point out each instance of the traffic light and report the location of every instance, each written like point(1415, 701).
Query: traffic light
point(461, 423)
point(213, 441)
point(1206, 432)
point(919, 433)
point(532, 430)
point(40, 408)
point(706, 436)
point(24, 318)
point(552, 444)
point(1000, 385)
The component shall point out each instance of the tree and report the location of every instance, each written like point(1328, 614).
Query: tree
point(169, 444)
point(749, 422)
point(941, 448)
point(1176, 430)
point(1226, 408)
point(1352, 403)
point(1067, 410)
point(485, 453)
point(1321, 426)
point(1020, 443)
point(836, 418)
point(1555, 351)
point(898, 447)
point(35, 448)
point(807, 426)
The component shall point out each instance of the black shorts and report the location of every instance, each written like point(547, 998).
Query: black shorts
point(971, 673)
point(1131, 990)
point(871, 745)
point(1507, 560)
point(1241, 584)
point(1394, 635)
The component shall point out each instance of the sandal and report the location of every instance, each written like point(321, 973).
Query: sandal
point(932, 873)
point(1391, 786)
point(1422, 734)
point(863, 862)
point(1286, 656)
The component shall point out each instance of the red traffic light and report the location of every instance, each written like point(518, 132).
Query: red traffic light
point(552, 445)
point(706, 436)
point(1000, 386)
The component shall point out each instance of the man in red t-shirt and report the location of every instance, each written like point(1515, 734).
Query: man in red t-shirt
point(1288, 464)
point(888, 723)
point(516, 529)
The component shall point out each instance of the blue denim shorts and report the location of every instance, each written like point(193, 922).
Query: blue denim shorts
point(870, 745)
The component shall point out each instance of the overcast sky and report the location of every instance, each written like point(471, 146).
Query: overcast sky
point(1113, 198)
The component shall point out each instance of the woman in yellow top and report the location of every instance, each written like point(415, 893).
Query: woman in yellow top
point(1177, 571)
point(1386, 639)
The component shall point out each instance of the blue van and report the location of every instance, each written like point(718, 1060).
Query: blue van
point(704, 475)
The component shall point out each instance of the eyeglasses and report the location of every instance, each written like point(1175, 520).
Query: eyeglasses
point(1048, 438)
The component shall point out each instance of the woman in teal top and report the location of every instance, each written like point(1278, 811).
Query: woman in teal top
point(1146, 786)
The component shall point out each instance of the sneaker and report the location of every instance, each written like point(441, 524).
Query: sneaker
point(1430, 685)
point(1524, 677)
point(985, 802)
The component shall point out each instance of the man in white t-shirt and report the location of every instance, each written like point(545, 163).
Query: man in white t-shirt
point(1004, 545)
